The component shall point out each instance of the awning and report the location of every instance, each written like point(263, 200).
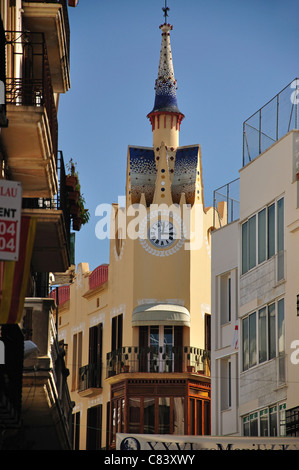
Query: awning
point(160, 314)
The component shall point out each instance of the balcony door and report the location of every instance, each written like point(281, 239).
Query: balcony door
point(160, 348)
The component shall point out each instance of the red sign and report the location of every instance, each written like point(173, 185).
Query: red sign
point(10, 219)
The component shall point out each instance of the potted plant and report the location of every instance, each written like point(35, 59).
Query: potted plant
point(71, 178)
point(76, 199)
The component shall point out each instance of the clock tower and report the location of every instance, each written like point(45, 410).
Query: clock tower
point(160, 276)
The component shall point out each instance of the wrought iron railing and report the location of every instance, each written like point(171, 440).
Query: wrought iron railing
point(271, 122)
point(90, 376)
point(31, 85)
point(158, 360)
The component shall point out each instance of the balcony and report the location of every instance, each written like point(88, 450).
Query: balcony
point(51, 251)
point(167, 359)
point(90, 379)
point(61, 295)
point(31, 138)
point(98, 277)
point(50, 17)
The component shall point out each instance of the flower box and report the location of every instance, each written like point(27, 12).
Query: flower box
point(74, 196)
point(77, 222)
point(71, 182)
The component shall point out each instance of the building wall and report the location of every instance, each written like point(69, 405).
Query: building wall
point(267, 294)
point(225, 363)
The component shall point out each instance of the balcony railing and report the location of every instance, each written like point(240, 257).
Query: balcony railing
point(62, 296)
point(90, 376)
point(158, 360)
point(31, 85)
point(229, 196)
point(271, 122)
point(98, 276)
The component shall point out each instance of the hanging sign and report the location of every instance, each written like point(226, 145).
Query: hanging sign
point(10, 219)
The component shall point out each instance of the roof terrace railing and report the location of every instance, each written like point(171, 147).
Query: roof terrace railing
point(226, 204)
point(271, 122)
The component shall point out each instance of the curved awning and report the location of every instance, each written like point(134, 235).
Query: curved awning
point(160, 314)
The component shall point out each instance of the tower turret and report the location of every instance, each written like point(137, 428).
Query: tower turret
point(165, 116)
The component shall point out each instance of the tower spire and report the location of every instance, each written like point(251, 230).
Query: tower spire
point(165, 84)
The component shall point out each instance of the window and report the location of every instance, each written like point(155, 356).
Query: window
point(263, 336)
point(117, 332)
point(77, 359)
point(95, 355)
point(263, 237)
point(76, 431)
point(225, 384)
point(94, 428)
point(157, 353)
point(225, 298)
point(267, 422)
point(160, 415)
point(249, 244)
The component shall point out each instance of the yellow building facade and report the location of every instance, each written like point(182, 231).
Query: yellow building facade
point(138, 331)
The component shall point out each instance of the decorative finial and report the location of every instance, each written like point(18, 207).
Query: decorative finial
point(166, 10)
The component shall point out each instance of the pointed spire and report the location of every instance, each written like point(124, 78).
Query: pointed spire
point(166, 85)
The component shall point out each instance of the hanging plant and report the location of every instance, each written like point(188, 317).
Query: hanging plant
point(82, 214)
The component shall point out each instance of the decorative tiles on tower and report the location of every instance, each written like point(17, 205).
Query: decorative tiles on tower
point(183, 172)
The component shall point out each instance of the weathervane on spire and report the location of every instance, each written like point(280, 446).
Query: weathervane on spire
point(165, 9)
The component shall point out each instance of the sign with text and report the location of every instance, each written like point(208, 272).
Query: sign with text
point(166, 442)
point(10, 219)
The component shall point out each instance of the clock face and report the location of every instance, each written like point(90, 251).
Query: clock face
point(162, 234)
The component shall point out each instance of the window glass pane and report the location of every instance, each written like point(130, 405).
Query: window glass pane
point(246, 428)
point(149, 416)
point(164, 415)
point(245, 344)
point(229, 306)
point(254, 424)
point(192, 415)
point(280, 224)
point(154, 349)
point(134, 415)
point(252, 242)
point(178, 415)
point(281, 337)
point(207, 418)
point(264, 423)
point(282, 419)
point(199, 404)
point(273, 421)
point(167, 350)
point(245, 247)
point(252, 339)
point(262, 236)
point(271, 230)
point(272, 329)
point(262, 335)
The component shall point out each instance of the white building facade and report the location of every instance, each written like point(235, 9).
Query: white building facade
point(255, 287)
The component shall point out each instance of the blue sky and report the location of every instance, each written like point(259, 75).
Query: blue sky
point(230, 57)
